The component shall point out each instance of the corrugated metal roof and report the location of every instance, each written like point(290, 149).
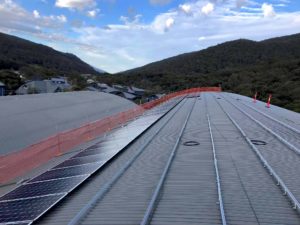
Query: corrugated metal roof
point(189, 192)
point(28, 119)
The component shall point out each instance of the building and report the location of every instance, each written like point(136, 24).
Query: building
point(119, 90)
point(42, 115)
point(129, 96)
point(120, 87)
point(136, 91)
point(214, 159)
point(2, 89)
point(53, 85)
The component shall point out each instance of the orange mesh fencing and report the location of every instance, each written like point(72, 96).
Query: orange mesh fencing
point(18, 163)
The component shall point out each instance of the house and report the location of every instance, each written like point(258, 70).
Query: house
point(154, 97)
point(120, 87)
point(129, 96)
point(119, 90)
point(45, 86)
point(59, 80)
point(136, 91)
point(2, 89)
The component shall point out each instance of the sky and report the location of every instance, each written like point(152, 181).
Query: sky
point(117, 35)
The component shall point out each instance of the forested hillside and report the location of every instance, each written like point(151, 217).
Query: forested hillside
point(241, 66)
point(34, 59)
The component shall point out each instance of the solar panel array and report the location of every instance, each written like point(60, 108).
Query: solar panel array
point(27, 203)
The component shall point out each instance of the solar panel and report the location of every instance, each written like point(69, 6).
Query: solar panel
point(44, 188)
point(82, 161)
point(67, 172)
point(26, 210)
point(98, 145)
point(21, 223)
point(94, 152)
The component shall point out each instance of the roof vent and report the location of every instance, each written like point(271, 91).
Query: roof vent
point(191, 143)
point(258, 142)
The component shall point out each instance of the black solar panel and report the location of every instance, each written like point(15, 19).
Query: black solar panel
point(22, 223)
point(26, 210)
point(67, 172)
point(82, 160)
point(98, 145)
point(44, 188)
point(94, 152)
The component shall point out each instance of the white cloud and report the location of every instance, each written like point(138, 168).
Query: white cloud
point(75, 4)
point(169, 23)
point(15, 19)
point(93, 13)
point(186, 8)
point(36, 14)
point(162, 23)
point(160, 2)
point(208, 8)
point(62, 18)
point(131, 21)
point(268, 10)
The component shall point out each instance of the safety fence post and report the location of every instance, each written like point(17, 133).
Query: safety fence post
point(269, 101)
point(254, 98)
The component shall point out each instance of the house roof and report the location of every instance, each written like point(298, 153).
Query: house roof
point(207, 160)
point(129, 96)
point(136, 89)
point(40, 116)
point(42, 86)
point(111, 90)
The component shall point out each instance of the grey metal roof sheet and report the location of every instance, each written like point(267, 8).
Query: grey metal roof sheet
point(27, 119)
point(128, 95)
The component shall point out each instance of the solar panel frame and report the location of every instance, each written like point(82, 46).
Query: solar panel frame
point(79, 161)
point(17, 216)
point(43, 188)
point(67, 172)
point(92, 152)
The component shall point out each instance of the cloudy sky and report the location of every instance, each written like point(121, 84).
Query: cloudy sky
point(117, 35)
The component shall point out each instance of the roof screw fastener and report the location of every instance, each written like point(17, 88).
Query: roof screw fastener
point(295, 206)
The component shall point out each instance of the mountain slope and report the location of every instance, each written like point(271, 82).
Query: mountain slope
point(241, 66)
point(228, 55)
point(20, 54)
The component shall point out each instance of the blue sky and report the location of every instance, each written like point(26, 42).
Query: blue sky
point(117, 35)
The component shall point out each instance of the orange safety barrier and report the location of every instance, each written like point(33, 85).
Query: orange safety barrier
point(18, 163)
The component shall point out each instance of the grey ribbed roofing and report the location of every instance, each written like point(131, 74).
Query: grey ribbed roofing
point(27, 119)
point(43, 86)
point(128, 95)
point(218, 121)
